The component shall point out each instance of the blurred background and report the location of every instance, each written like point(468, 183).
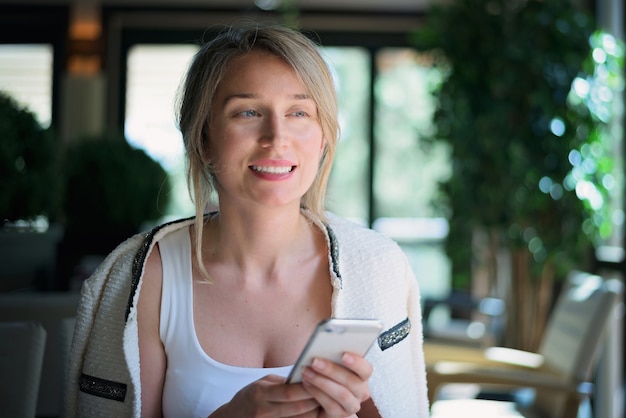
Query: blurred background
point(484, 136)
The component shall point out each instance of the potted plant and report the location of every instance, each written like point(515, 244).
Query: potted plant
point(29, 197)
point(111, 191)
point(532, 172)
point(28, 165)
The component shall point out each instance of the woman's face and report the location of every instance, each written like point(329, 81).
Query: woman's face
point(265, 139)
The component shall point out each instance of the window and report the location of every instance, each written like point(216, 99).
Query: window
point(26, 75)
point(153, 77)
point(348, 186)
point(406, 170)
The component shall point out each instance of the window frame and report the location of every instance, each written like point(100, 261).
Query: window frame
point(19, 25)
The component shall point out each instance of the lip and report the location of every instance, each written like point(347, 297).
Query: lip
point(273, 176)
point(269, 162)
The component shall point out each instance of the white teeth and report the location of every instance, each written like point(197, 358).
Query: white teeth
point(272, 170)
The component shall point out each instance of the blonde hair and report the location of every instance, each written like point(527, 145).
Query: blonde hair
point(203, 78)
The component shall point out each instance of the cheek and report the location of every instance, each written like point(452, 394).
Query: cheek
point(310, 131)
point(216, 145)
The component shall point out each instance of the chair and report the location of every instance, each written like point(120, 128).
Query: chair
point(22, 346)
point(559, 372)
point(465, 321)
point(64, 346)
point(50, 310)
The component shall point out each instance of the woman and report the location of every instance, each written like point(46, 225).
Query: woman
point(219, 307)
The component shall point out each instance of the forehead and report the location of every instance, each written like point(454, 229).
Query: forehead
point(258, 67)
point(259, 75)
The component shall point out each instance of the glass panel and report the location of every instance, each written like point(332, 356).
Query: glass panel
point(348, 186)
point(26, 75)
point(154, 75)
point(406, 169)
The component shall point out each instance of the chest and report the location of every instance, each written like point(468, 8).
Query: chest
point(261, 326)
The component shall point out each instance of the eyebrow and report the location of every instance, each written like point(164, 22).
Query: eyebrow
point(299, 96)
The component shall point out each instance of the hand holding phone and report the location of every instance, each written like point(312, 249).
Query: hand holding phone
point(334, 337)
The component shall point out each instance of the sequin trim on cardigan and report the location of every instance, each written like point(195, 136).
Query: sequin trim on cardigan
point(103, 388)
point(334, 252)
point(394, 335)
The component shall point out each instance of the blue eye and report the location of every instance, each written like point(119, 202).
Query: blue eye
point(299, 113)
point(249, 113)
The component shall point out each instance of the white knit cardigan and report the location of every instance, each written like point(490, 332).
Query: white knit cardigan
point(371, 278)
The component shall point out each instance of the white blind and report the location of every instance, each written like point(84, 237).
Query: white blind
point(26, 75)
point(153, 78)
point(154, 74)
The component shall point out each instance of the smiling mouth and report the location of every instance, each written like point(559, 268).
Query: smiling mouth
point(272, 170)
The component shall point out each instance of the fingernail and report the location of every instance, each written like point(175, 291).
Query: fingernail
point(347, 358)
point(318, 364)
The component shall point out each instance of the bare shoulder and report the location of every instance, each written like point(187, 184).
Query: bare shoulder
point(152, 283)
point(151, 351)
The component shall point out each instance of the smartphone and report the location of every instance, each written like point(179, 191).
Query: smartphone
point(334, 337)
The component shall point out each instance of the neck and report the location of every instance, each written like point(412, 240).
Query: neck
point(260, 241)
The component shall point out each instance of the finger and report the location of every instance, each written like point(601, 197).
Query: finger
point(273, 389)
point(345, 376)
point(291, 400)
point(358, 365)
point(328, 388)
point(292, 393)
point(305, 408)
point(334, 400)
point(316, 413)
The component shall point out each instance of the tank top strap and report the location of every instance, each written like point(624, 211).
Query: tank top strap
point(177, 291)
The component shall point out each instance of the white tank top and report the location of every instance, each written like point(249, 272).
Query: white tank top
point(195, 384)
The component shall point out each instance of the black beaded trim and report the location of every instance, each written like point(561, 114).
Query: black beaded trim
point(103, 388)
point(140, 259)
point(394, 335)
point(141, 255)
point(334, 252)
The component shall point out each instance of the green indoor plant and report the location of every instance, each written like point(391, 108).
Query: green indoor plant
point(111, 187)
point(29, 198)
point(28, 165)
point(111, 191)
point(532, 172)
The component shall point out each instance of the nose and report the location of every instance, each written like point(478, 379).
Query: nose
point(273, 133)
